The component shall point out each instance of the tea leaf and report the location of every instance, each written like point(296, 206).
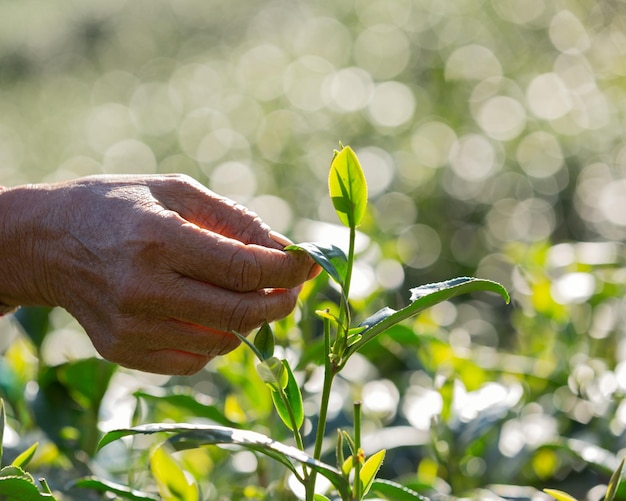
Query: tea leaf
point(189, 436)
point(347, 187)
point(24, 458)
point(423, 297)
point(124, 492)
point(395, 491)
point(370, 469)
point(614, 483)
point(559, 495)
point(330, 257)
point(272, 372)
point(264, 341)
point(170, 478)
point(17, 488)
point(320, 497)
point(294, 401)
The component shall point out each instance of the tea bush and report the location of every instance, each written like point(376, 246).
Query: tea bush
point(491, 137)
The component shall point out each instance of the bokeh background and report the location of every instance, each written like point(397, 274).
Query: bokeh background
point(492, 136)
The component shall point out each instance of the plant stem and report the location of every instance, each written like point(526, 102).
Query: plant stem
point(348, 279)
point(329, 374)
point(358, 486)
point(341, 342)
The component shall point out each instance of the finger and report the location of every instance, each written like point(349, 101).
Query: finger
point(170, 362)
point(228, 263)
point(167, 346)
point(200, 303)
point(210, 211)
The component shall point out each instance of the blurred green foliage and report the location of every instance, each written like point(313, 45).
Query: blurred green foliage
point(492, 138)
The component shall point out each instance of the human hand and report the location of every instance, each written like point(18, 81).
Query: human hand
point(157, 269)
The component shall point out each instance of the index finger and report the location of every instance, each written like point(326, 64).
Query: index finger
point(199, 205)
point(228, 263)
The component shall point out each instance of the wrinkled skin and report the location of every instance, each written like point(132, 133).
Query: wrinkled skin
point(157, 269)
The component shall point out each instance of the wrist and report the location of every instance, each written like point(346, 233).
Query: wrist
point(23, 233)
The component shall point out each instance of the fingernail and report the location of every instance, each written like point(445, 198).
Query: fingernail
point(315, 271)
point(280, 239)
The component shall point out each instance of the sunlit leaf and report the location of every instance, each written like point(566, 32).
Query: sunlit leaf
point(559, 495)
point(330, 257)
point(16, 488)
point(370, 469)
point(347, 465)
point(15, 471)
point(264, 341)
point(122, 491)
point(320, 497)
point(294, 399)
point(272, 372)
point(395, 491)
point(170, 478)
point(614, 483)
point(424, 297)
point(188, 436)
point(347, 187)
point(25, 457)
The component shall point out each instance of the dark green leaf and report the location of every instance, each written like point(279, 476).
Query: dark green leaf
point(35, 320)
point(264, 341)
point(122, 491)
point(330, 257)
point(69, 396)
point(294, 401)
point(424, 297)
point(347, 187)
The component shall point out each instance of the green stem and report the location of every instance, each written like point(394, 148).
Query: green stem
point(329, 374)
point(358, 486)
point(341, 342)
point(348, 279)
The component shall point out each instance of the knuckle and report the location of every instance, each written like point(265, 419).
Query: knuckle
point(245, 271)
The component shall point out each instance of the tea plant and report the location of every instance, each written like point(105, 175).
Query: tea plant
point(353, 476)
point(16, 484)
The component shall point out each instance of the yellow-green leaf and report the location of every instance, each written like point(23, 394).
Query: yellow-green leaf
point(559, 495)
point(347, 187)
point(370, 469)
point(24, 458)
point(614, 482)
point(171, 480)
point(293, 403)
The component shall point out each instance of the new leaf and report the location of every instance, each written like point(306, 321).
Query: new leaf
point(347, 187)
